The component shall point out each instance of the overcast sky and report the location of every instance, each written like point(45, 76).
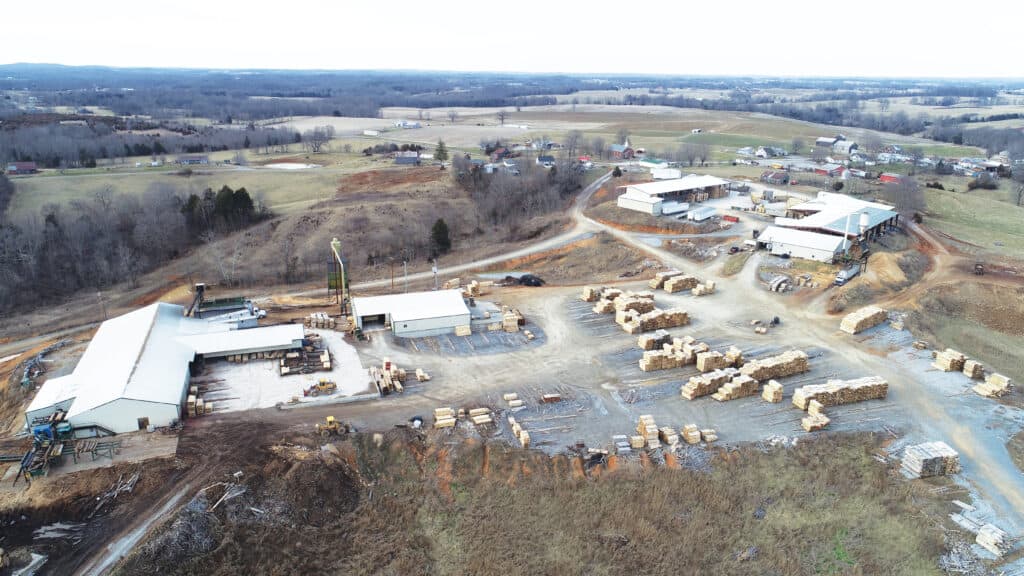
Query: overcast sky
point(707, 37)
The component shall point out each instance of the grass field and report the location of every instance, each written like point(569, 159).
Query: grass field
point(734, 263)
point(978, 220)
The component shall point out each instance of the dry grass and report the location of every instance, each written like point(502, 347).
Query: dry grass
point(610, 213)
point(734, 263)
point(597, 259)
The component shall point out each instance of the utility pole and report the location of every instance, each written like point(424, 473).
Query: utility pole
point(433, 268)
point(405, 273)
point(392, 260)
point(103, 307)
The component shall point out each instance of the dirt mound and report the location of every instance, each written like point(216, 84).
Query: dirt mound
point(391, 179)
point(597, 259)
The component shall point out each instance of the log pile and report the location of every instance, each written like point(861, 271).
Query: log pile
point(655, 320)
point(444, 417)
point(785, 364)
point(654, 341)
point(691, 434)
point(705, 384)
point(949, 360)
point(772, 392)
point(974, 370)
point(649, 431)
point(930, 459)
point(739, 387)
point(704, 289)
point(994, 386)
point(519, 432)
point(659, 279)
point(836, 392)
point(680, 283)
point(861, 320)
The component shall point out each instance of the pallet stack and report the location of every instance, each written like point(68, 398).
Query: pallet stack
point(622, 444)
point(994, 386)
point(705, 384)
point(319, 320)
point(388, 377)
point(785, 364)
point(974, 370)
point(654, 341)
point(668, 435)
point(657, 319)
point(708, 435)
point(861, 320)
point(772, 392)
point(519, 432)
point(649, 430)
point(739, 387)
point(704, 289)
point(444, 417)
point(680, 283)
point(930, 459)
point(949, 360)
point(591, 293)
point(691, 434)
point(836, 392)
point(661, 277)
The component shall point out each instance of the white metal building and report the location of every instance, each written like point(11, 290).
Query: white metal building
point(843, 215)
point(135, 372)
point(414, 314)
point(648, 197)
point(666, 173)
point(801, 244)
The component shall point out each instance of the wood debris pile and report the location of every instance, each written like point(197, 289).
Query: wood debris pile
point(661, 277)
point(836, 392)
point(994, 386)
point(680, 283)
point(949, 360)
point(785, 364)
point(861, 320)
point(705, 384)
point(739, 387)
point(772, 392)
point(930, 459)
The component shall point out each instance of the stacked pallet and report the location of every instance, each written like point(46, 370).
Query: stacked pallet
point(668, 435)
point(785, 364)
point(704, 289)
point(591, 293)
point(739, 387)
point(649, 430)
point(705, 384)
point(636, 442)
point(680, 283)
point(657, 319)
point(622, 444)
point(861, 320)
point(519, 432)
point(708, 435)
point(814, 422)
point(994, 386)
point(463, 330)
point(974, 370)
point(444, 417)
point(930, 459)
point(691, 434)
point(772, 392)
point(949, 360)
point(993, 539)
point(480, 416)
point(836, 392)
point(319, 320)
point(659, 279)
point(654, 341)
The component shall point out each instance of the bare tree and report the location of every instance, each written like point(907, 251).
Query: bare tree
point(797, 145)
point(906, 195)
point(572, 142)
point(453, 116)
point(703, 153)
point(688, 153)
point(316, 138)
point(597, 146)
point(883, 104)
point(872, 141)
point(819, 154)
point(502, 114)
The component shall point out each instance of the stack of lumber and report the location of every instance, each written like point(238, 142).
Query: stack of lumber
point(705, 384)
point(949, 360)
point(513, 400)
point(604, 306)
point(704, 289)
point(772, 392)
point(680, 283)
point(739, 387)
point(930, 459)
point(609, 295)
point(654, 341)
point(475, 288)
point(444, 418)
point(550, 398)
point(661, 360)
point(836, 392)
point(994, 386)
point(621, 443)
point(319, 320)
point(993, 539)
point(708, 435)
point(657, 319)
point(659, 279)
point(274, 355)
point(422, 376)
point(637, 442)
point(785, 364)
point(464, 330)
point(388, 378)
point(591, 293)
point(734, 356)
point(304, 362)
point(814, 408)
point(480, 416)
point(691, 434)
point(519, 432)
point(861, 320)
point(668, 435)
point(452, 284)
point(974, 370)
point(649, 430)
point(708, 361)
point(190, 405)
point(814, 422)
point(635, 303)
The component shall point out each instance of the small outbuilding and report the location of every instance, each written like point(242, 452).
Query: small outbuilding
point(414, 314)
point(17, 168)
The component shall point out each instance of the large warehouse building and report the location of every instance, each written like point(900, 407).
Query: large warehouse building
point(135, 372)
point(414, 314)
point(839, 214)
point(657, 197)
point(800, 244)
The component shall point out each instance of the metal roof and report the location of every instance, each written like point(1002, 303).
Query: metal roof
point(801, 238)
point(54, 391)
point(831, 211)
point(412, 306)
point(691, 182)
point(269, 337)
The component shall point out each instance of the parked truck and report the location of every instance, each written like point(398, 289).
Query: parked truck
point(847, 274)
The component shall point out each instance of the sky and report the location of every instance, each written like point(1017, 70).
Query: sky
point(879, 38)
